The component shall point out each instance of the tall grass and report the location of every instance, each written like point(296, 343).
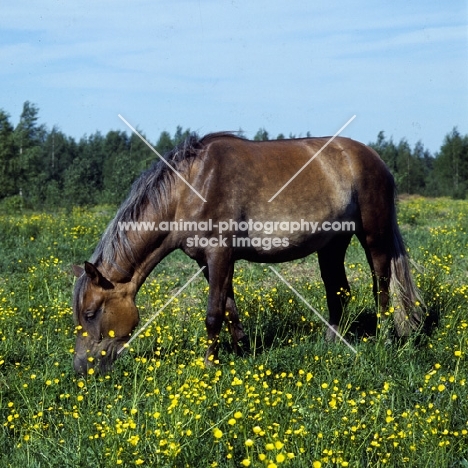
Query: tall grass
point(294, 401)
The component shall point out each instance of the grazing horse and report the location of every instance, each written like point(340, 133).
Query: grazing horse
point(234, 196)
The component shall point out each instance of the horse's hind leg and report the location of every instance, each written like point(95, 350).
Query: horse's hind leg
point(376, 247)
point(331, 261)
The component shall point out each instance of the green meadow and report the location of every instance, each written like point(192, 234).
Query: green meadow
point(294, 401)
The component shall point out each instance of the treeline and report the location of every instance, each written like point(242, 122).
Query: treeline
point(42, 168)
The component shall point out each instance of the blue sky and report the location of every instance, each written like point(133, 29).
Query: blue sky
point(400, 66)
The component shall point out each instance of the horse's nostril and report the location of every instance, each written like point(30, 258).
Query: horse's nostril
point(81, 365)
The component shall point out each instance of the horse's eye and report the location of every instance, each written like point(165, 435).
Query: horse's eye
point(89, 315)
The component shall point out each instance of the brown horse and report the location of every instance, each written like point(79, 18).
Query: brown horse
point(346, 185)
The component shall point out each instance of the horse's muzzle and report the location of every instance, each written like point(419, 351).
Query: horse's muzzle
point(81, 364)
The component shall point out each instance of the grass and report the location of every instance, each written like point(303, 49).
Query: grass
point(295, 401)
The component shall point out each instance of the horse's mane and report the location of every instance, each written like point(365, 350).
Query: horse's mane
point(153, 188)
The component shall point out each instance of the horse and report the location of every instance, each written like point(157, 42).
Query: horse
point(223, 182)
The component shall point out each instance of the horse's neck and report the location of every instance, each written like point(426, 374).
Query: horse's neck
point(148, 248)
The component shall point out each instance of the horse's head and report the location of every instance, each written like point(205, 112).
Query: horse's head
point(105, 315)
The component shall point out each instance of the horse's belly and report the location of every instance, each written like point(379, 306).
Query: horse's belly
point(275, 248)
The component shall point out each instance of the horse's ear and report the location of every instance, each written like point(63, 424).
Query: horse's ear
point(96, 276)
point(77, 270)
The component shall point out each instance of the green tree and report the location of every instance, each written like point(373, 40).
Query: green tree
point(387, 151)
point(29, 137)
point(83, 180)
point(451, 166)
point(164, 143)
point(409, 167)
point(8, 154)
point(125, 158)
point(180, 135)
point(58, 154)
point(261, 135)
point(423, 169)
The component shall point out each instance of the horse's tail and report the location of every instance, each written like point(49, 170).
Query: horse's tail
point(408, 304)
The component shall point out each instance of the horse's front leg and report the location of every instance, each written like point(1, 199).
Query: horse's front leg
point(240, 341)
point(221, 269)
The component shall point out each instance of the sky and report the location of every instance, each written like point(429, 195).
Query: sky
point(290, 67)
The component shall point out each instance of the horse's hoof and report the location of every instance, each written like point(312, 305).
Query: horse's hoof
point(332, 333)
point(242, 347)
point(211, 360)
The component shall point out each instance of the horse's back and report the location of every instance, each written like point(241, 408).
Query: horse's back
point(312, 168)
